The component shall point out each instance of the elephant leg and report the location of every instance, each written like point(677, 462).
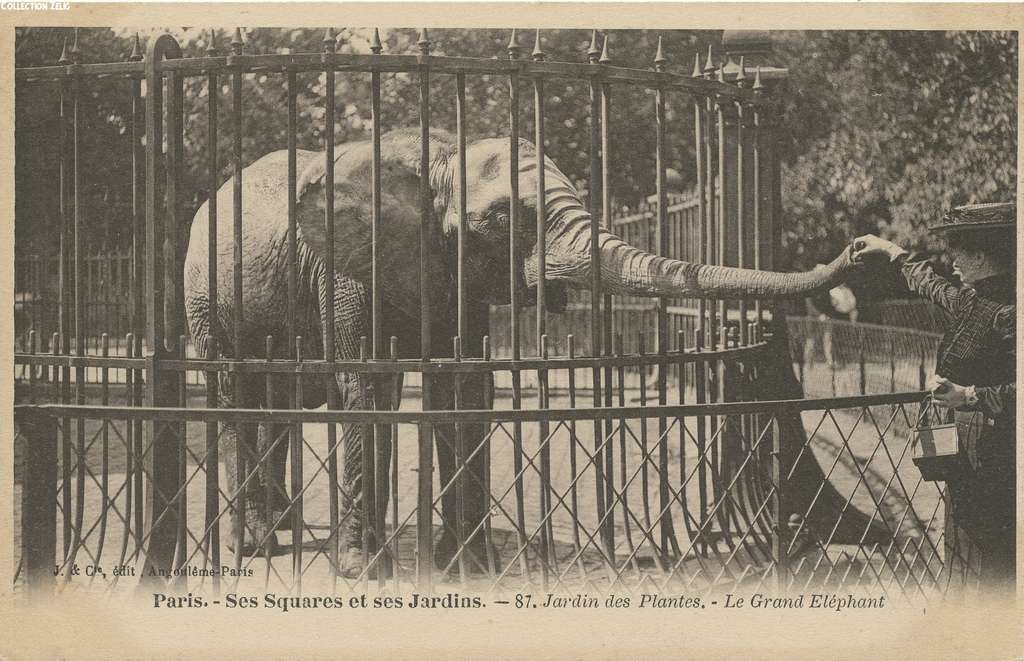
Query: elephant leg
point(455, 444)
point(367, 457)
point(357, 391)
point(272, 445)
point(240, 454)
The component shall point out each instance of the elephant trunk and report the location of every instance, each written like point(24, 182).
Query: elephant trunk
point(631, 271)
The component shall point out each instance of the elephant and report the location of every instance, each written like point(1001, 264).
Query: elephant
point(624, 270)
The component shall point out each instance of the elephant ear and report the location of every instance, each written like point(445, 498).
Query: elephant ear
point(398, 237)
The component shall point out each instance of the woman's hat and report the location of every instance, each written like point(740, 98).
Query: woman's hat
point(979, 217)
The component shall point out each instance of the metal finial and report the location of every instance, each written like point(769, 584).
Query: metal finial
point(329, 43)
point(696, 66)
point(424, 42)
point(236, 42)
point(513, 45)
point(709, 64)
point(659, 58)
point(604, 59)
point(720, 74)
point(593, 52)
point(537, 53)
point(741, 75)
point(375, 45)
point(758, 85)
point(136, 53)
point(64, 59)
point(211, 48)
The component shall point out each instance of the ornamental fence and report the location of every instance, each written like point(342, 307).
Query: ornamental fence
point(702, 468)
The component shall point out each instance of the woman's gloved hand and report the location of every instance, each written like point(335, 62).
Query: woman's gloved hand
point(952, 395)
point(869, 245)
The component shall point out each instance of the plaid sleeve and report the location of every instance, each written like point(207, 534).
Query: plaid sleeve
point(995, 401)
point(922, 279)
point(1001, 399)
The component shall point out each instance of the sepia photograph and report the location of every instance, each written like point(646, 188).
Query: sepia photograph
point(514, 319)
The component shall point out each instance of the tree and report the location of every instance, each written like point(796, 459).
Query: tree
point(894, 128)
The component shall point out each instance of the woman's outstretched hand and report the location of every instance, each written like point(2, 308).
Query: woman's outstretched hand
point(951, 395)
point(869, 245)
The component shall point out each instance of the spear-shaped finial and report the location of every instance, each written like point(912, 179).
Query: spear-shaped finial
point(211, 48)
point(64, 58)
point(329, 44)
point(375, 45)
point(741, 75)
point(758, 85)
point(236, 42)
point(513, 46)
point(696, 66)
point(424, 42)
point(659, 58)
point(76, 52)
point(537, 53)
point(593, 53)
point(604, 59)
point(136, 53)
point(709, 64)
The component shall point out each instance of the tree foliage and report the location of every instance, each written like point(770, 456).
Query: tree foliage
point(889, 129)
point(881, 130)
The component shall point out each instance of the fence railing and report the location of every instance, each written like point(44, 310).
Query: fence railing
point(708, 494)
point(600, 500)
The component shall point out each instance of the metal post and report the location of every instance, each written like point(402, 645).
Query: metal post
point(38, 433)
point(162, 460)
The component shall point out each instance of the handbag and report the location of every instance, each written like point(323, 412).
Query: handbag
point(935, 444)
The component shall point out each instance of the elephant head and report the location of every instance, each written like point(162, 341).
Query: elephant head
point(624, 268)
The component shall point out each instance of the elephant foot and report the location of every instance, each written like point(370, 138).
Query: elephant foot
point(269, 549)
point(259, 539)
point(474, 556)
point(351, 565)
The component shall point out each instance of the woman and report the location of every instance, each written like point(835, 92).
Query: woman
point(975, 373)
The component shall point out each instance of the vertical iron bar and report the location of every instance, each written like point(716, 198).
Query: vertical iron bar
point(135, 289)
point(330, 356)
point(376, 323)
point(546, 550)
point(741, 223)
point(238, 519)
point(460, 121)
point(756, 157)
point(460, 461)
point(137, 449)
point(514, 267)
point(105, 448)
point(79, 238)
point(395, 401)
point(375, 206)
point(366, 483)
point(665, 525)
point(424, 522)
point(295, 385)
point(595, 208)
point(296, 475)
point(606, 214)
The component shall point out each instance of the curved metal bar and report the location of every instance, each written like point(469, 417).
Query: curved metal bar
point(284, 416)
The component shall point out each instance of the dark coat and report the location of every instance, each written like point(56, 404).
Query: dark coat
point(978, 349)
